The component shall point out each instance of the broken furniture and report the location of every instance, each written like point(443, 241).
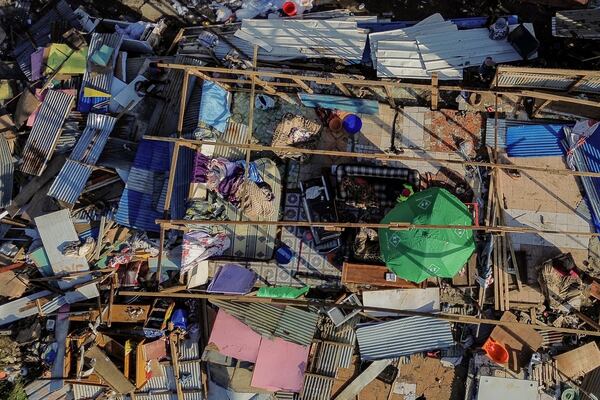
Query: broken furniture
point(319, 207)
point(382, 185)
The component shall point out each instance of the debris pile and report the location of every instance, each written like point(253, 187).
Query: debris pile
point(285, 200)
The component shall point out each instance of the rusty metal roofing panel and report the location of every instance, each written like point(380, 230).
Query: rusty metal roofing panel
point(70, 182)
point(45, 132)
point(7, 169)
point(93, 139)
point(297, 326)
point(403, 337)
point(96, 80)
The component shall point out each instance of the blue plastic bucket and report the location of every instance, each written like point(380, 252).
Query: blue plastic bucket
point(352, 124)
point(284, 255)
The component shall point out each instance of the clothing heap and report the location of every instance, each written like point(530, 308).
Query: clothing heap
point(296, 131)
point(201, 244)
point(226, 178)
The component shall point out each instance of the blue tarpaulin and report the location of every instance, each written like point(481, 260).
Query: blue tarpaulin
point(340, 103)
point(214, 106)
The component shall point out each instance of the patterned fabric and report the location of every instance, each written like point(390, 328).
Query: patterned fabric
point(381, 189)
point(297, 131)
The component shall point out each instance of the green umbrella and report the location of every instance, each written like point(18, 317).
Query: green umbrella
point(417, 254)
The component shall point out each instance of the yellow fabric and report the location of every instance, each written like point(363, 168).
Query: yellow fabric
point(6, 91)
point(89, 92)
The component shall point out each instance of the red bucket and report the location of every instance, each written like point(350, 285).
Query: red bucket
point(289, 8)
point(495, 351)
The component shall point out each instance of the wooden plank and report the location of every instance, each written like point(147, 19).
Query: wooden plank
point(578, 362)
point(183, 101)
point(434, 91)
point(173, 343)
point(374, 275)
point(171, 181)
point(519, 341)
point(464, 319)
point(362, 380)
point(343, 89)
point(109, 372)
point(303, 85)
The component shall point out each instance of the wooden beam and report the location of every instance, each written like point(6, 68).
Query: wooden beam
point(250, 120)
point(539, 108)
point(464, 319)
point(171, 178)
point(375, 156)
point(173, 343)
point(343, 89)
point(558, 97)
point(182, 223)
point(389, 96)
point(183, 101)
point(434, 91)
point(303, 85)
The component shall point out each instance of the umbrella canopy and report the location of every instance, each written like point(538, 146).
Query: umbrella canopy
point(417, 254)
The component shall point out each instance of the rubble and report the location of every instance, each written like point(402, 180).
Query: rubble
point(288, 200)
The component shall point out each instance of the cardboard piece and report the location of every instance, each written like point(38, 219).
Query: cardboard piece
point(11, 286)
point(234, 339)
point(519, 341)
point(280, 366)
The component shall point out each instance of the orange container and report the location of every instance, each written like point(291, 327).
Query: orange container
point(495, 351)
point(335, 123)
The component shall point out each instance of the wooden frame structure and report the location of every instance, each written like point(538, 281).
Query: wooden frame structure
point(255, 81)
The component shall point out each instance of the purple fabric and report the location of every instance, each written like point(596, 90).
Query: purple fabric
point(37, 63)
point(228, 187)
point(232, 279)
point(200, 168)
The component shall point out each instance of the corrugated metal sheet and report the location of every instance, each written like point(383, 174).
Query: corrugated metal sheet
point(435, 45)
point(294, 325)
point(403, 337)
point(535, 140)
point(45, 132)
point(587, 158)
point(70, 182)
point(513, 77)
point(7, 169)
point(169, 396)
point(316, 388)
point(87, 392)
point(39, 34)
point(93, 139)
point(490, 135)
point(293, 317)
point(591, 385)
point(101, 81)
point(140, 204)
point(166, 114)
point(305, 38)
point(189, 350)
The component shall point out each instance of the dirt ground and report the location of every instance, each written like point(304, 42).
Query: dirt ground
point(434, 382)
